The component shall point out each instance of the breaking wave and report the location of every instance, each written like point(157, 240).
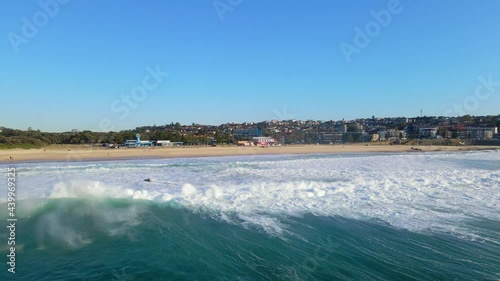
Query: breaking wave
point(270, 216)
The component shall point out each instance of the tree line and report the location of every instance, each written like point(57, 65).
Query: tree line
point(11, 138)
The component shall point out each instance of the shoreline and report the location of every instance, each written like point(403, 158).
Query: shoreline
point(79, 153)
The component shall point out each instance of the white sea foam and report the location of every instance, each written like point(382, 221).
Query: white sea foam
point(413, 191)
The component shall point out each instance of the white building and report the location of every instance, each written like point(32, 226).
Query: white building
point(164, 143)
point(263, 141)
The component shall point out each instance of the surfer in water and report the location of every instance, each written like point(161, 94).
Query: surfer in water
point(148, 180)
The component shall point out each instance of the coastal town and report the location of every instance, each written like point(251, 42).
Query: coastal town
point(470, 130)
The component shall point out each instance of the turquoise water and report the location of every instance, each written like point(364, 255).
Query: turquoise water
point(317, 217)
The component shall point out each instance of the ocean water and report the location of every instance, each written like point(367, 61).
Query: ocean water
point(421, 216)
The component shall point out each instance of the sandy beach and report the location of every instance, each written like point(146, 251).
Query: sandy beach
point(80, 153)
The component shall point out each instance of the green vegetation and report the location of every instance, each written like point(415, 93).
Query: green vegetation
point(19, 145)
point(11, 138)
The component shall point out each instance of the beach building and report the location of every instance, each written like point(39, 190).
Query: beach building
point(327, 138)
point(430, 133)
point(383, 135)
point(130, 143)
point(456, 134)
point(339, 138)
point(240, 135)
point(480, 133)
point(168, 143)
point(245, 143)
point(263, 141)
point(164, 143)
point(137, 142)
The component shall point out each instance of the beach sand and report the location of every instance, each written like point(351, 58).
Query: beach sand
point(82, 153)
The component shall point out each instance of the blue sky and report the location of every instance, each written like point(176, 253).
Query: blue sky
point(265, 60)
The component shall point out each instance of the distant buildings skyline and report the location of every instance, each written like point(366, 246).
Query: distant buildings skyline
point(400, 130)
point(258, 133)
